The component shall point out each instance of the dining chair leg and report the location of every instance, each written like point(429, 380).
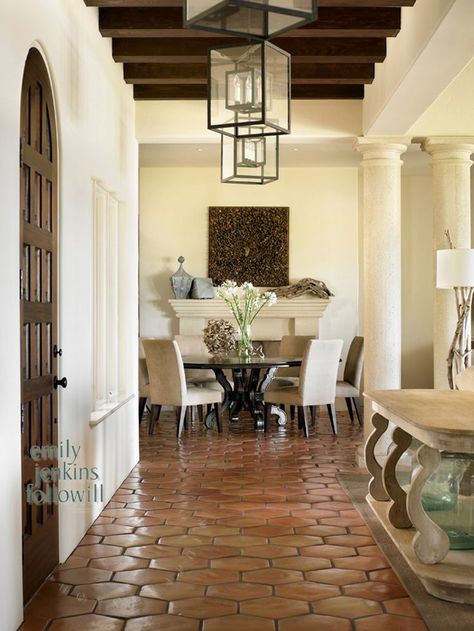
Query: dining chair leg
point(332, 417)
point(356, 402)
point(154, 416)
point(218, 410)
point(267, 416)
point(349, 409)
point(300, 417)
point(141, 408)
point(201, 413)
point(181, 420)
point(209, 408)
point(292, 412)
point(304, 421)
point(314, 414)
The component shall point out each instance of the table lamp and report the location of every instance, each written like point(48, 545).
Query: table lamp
point(455, 270)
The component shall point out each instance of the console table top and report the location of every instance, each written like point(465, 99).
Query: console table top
point(430, 414)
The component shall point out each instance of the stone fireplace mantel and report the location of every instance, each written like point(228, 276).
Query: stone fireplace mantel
point(296, 316)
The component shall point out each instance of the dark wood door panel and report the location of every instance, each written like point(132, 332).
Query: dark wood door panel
point(38, 312)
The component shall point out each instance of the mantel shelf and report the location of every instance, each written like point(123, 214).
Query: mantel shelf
point(295, 316)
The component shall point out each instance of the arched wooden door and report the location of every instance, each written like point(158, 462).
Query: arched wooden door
point(38, 309)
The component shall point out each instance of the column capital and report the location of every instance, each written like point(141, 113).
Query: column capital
point(451, 149)
point(382, 150)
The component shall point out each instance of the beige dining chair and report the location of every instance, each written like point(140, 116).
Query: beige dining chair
point(465, 379)
point(317, 383)
point(168, 384)
point(194, 345)
point(349, 387)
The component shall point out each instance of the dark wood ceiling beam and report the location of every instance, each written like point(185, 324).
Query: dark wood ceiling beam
point(331, 22)
point(199, 92)
point(324, 74)
point(317, 50)
point(179, 3)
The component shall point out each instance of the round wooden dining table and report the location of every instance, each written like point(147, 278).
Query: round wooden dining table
point(251, 376)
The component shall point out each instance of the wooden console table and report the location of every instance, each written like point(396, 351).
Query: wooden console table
point(441, 420)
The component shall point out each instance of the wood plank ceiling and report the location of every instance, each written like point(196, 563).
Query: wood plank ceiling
point(332, 58)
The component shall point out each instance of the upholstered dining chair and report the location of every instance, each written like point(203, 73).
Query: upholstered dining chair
point(349, 387)
point(194, 345)
point(317, 383)
point(168, 384)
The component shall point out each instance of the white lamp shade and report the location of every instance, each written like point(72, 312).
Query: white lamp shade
point(454, 268)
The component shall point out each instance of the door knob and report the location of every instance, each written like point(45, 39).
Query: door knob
point(57, 351)
point(59, 382)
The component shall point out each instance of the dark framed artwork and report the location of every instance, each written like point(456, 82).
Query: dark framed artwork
point(249, 243)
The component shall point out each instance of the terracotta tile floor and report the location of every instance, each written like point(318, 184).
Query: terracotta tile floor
point(231, 532)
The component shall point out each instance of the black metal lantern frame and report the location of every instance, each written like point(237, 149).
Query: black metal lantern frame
point(249, 90)
point(255, 19)
point(249, 160)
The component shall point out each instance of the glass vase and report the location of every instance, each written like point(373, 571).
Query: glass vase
point(244, 341)
point(448, 498)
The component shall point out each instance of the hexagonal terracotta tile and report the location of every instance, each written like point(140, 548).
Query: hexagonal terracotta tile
point(349, 540)
point(239, 591)
point(210, 552)
point(163, 622)
point(81, 576)
point(240, 563)
point(130, 607)
point(329, 552)
point(203, 607)
point(375, 590)
point(274, 607)
point(389, 622)
point(160, 531)
point(301, 563)
point(320, 531)
point(117, 564)
point(312, 622)
point(209, 576)
point(178, 563)
point(98, 551)
point(296, 540)
point(51, 602)
point(269, 551)
point(213, 531)
point(273, 576)
point(110, 529)
point(240, 541)
point(91, 622)
point(336, 576)
point(402, 607)
point(307, 591)
point(172, 591)
point(347, 607)
point(239, 623)
point(385, 575)
point(151, 551)
point(360, 563)
point(127, 541)
point(144, 577)
point(101, 591)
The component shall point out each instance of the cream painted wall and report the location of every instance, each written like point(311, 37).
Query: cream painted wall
point(417, 282)
point(95, 114)
point(323, 235)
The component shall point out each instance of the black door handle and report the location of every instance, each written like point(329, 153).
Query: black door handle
point(59, 382)
point(57, 351)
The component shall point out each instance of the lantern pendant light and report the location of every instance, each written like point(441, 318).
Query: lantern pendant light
point(249, 90)
point(252, 160)
point(255, 19)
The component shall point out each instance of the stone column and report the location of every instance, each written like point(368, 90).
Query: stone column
point(451, 210)
point(381, 173)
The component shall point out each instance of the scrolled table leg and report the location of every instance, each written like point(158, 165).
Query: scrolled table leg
point(397, 513)
point(376, 488)
point(431, 543)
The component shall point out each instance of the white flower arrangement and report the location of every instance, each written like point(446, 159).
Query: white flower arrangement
point(245, 302)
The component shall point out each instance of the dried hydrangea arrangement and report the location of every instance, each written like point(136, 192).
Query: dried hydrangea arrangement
point(219, 337)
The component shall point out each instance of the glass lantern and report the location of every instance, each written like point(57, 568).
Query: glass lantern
point(249, 90)
point(251, 160)
point(256, 19)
